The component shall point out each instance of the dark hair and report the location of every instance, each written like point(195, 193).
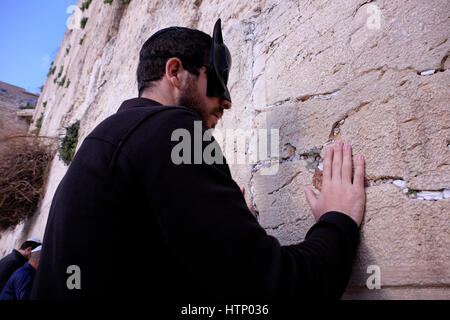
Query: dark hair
point(189, 45)
point(31, 244)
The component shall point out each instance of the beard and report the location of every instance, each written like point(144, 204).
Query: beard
point(192, 99)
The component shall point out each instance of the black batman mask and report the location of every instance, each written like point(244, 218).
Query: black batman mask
point(219, 66)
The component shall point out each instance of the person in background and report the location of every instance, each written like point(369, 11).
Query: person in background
point(19, 285)
point(16, 259)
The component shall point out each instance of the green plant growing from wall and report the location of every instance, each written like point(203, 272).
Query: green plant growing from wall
point(110, 1)
point(83, 22)
point(38, 124)
point(61, 69)
point(69, 143)
point(68, 49)
point(412, 192)
point(82, 39)
point(85, 5)
point(44, 104)
point(68, 83)
point(26, 107)
point(63, 80)
point(52, 70)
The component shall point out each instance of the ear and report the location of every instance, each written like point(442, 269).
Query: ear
point(174, 66)
point(28, 252)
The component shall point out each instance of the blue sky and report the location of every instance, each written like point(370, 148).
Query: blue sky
point(32, 31)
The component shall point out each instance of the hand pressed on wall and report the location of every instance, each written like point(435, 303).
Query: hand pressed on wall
point(338, 192)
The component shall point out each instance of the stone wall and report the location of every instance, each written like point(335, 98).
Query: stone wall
point(373, 73)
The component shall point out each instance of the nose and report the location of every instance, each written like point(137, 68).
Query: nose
point(225, 104)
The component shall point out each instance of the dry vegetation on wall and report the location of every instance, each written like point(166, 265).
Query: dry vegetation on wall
point(24, 166)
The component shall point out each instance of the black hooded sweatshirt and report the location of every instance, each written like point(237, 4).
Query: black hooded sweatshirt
point(137, 225)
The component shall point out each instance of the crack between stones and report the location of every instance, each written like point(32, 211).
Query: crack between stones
point(314, 161)
point(250, 23)
point(303, 98)
point(275, 227)
point(335, 128)
point(285, 184)
point(432, 195)
point(425, 194)
point(424, 72)
point(360, 5)
point(285, 223)
point(328, 95)
point(252, 193)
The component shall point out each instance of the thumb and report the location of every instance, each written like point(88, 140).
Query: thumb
point(310, 196)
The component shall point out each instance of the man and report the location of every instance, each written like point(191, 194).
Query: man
point(16, 259)
point(190, 220)
point(19, 285)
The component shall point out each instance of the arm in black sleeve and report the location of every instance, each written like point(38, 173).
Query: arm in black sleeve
point(324, 259)
point(221, 247)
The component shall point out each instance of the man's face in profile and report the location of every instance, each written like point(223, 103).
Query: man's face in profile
point(193, 96)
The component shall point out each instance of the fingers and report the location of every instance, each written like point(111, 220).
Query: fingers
point(310, 196)
point(347, 164)
point(327, 161)
point(359, 172)
point(337, 161)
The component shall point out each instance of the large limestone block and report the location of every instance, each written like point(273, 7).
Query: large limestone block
point(284, 211)
point(299, 52)
point(405, 134)
point(407, 238)
point(304, 126)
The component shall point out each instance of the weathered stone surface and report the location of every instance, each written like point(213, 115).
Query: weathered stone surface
point(282, 205)
point(325, 46)
point(407, 238)
point(411, 133)
point(316, 71)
